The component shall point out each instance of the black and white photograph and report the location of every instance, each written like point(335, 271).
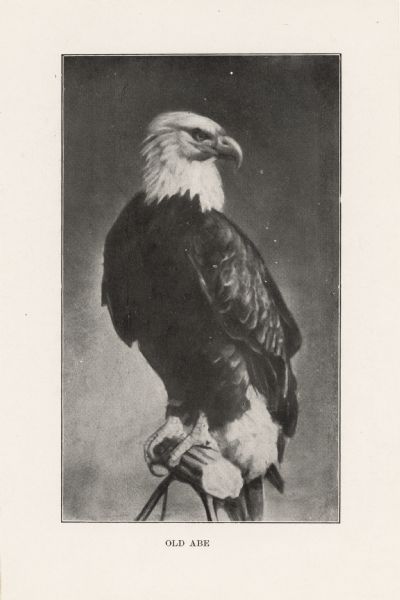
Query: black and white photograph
point(201, 288)
point(199, 300)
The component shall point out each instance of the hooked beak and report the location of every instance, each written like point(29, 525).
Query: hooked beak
point(227, 147)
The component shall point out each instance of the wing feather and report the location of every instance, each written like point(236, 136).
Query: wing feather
point(249, 307)
point(123, 285)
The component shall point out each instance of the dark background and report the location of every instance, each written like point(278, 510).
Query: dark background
point(284, 111)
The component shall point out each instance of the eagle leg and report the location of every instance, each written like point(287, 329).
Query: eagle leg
point(231, 509)
point(199, 436)
point(172, 429)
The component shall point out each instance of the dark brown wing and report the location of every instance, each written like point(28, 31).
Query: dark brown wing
point(123, 285)
point(248, 305)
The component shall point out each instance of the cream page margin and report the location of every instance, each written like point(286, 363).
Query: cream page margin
point(43, 559)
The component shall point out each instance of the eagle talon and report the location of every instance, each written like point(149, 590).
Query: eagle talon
point(174, 462)
point(174, 431)
point(199, 436)
point(172, 428)
point(153, 471)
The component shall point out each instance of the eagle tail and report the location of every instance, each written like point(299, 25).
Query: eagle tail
point(236, 509)
point(254, 495)
point(248, 506)
point(275, 478)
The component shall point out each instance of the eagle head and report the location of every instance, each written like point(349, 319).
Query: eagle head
point(180, 151)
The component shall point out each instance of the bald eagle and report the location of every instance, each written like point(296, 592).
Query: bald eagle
point(190, 287)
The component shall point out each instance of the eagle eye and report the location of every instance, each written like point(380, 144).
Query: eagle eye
point(199, 135)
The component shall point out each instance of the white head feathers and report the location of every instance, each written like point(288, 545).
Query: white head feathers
point(180, 152)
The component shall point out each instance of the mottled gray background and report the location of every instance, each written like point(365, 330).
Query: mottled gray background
point(284, 111)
